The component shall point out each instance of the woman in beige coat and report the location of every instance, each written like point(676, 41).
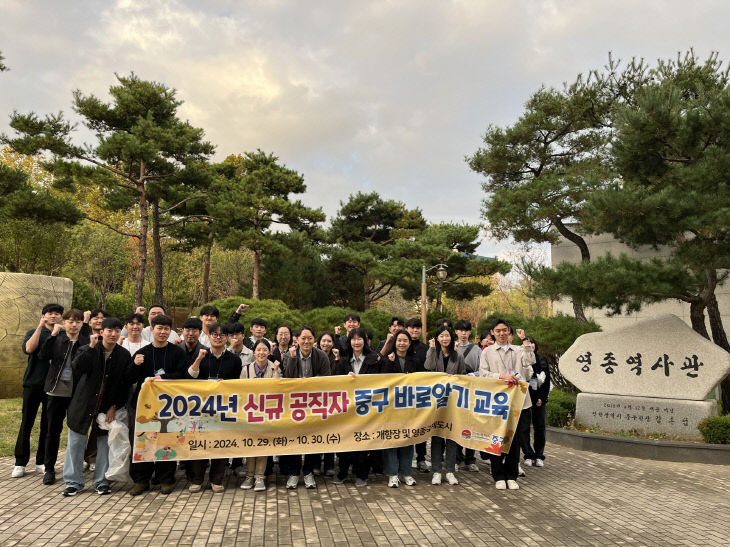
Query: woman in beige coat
point(261, 367)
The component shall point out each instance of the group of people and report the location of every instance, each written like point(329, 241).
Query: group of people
point(85, 366)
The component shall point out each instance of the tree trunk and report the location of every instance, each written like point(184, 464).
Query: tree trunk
point(720, 338)
point(206, 267)
point(697, 317)
point(157, 246)
point(142, 246)
point(256, 273)
point(585, 256)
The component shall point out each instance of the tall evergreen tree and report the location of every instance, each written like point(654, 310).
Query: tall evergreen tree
point(142, 150)
point(253, 198)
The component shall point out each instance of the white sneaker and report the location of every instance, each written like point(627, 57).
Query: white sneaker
point(436, 478)
point(195, 487)
point(500, 485)
point(292, 482)
point(410, 481)
point(92, 467)
point(528, 462)
point(451, 478)
point(512, 485)
point(309, 481)
point(260, 485)
point(247, 483)
point(473, 468)
point(393, 481)
point(520, 471)
point(218, 488)
point(361, 482)
point(18, 471)
point(539, 463)
point(40, 468)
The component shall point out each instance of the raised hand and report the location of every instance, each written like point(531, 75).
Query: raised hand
point(56, 329)
point(432, 343)
point(138, 359)
point(338, 330)
point(140, 310)
point(93, 339)
point(87, 316)
point(241, 308)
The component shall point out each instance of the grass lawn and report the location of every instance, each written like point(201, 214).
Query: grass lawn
point(10, 424)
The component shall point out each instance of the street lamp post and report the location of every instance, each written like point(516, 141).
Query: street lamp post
point(441, 274)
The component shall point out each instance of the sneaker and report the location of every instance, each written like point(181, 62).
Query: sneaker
point(40, 468)
point(49, 477)
point(520, 471)
point(248, 483)
point(361, 482)
point(195, 487)
point(103, 490)
point(92, 467)
point(539, 463)
point(528, 462)
point(86, 465)
point(70, 491)
point(512, 485)
point(410, 481)
point(292, 482)
point(167, 488)
point(422, 467)
point(316, 472)
point(338, 480)
point(500, 485)
point(18, 471)
point(309, 481)
point(217, 488)
point(393, 481)
point(436, 478)
point(139, 488)
point(451, 478)
point(329, 472)
point(473, 468)
point(259, 486)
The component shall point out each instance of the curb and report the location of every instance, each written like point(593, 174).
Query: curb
point(670, 451)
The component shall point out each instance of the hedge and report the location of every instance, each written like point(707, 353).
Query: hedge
point(560, 407)
point(715, 429)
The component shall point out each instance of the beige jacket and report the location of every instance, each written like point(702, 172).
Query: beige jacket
point(516, 359)
point(249, 371)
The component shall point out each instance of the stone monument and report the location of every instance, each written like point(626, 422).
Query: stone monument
point(22, 296)
point(652, 376)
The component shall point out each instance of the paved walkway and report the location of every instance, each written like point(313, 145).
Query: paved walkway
point(579, 498)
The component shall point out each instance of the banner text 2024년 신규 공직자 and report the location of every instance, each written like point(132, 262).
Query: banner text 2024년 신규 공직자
point(199, 419)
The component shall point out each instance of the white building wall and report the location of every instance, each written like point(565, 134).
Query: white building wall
point(565, 251)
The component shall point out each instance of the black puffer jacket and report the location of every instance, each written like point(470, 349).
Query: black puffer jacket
point(99, 383)
point(372, 364)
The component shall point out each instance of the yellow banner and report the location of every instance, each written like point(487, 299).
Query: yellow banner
point(197, 419)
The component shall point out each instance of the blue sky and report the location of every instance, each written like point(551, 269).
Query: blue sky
point(386, 96)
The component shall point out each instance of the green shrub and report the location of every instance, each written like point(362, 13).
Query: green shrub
point(119, 305)
point(275, 312)
point(715, 429)
point(560, 407)
point(322, 319)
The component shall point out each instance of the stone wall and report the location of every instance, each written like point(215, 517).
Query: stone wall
point(22, 296)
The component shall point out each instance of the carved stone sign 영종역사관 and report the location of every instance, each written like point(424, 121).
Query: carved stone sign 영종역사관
point(652, 376)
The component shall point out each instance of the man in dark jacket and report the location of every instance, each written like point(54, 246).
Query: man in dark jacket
point(61, 348)
point(539, 391)
point(33, 394)
point(99, 377)
point(163, 360)
point(303, 361)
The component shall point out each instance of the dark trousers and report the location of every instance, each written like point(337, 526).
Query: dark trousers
point(163, 470)
point(466, 455)
point(536, 451)
point(506, 466)
point(32, 399)
point(329, 461)
point(56, 411)
point(217, 470)
point(421, 452)
point(360, 462)
point(292, 465)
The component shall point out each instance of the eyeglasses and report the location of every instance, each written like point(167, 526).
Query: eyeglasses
point(217, 335)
